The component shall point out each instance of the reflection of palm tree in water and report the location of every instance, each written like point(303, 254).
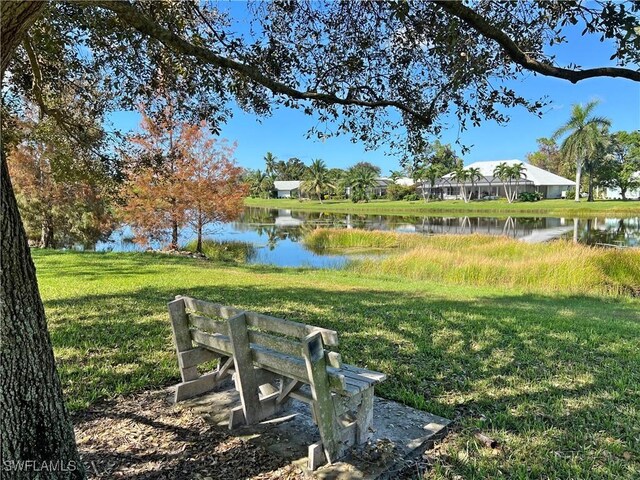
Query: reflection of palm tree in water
point(272, 237)
point(275, 234)
point(509, 228)
point(466, 224)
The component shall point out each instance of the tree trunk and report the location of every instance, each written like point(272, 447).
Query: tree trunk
point(623, 193)
point(17, 17)
point(174, 234)
point(199, 244)
point(35, 424)
point(590, 198)
point(424, 196)
point(578, 179)
point(46, 238)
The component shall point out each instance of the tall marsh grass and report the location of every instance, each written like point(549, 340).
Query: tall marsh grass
point(483, 260)
point(337, 239)
point(224, 251)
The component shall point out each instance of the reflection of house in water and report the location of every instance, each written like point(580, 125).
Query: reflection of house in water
point(285, 219)
point(609, 231)
point(546, 228)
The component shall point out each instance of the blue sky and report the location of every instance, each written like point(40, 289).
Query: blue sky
point(283, 133)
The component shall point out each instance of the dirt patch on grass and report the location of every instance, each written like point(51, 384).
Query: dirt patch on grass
point(144, 437)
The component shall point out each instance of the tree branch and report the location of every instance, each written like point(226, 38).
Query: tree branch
point(486, 29)
point(65, 122)
point(36, 88)
point(133, 17)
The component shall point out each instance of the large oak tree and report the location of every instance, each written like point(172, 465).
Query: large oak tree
point(369, 69)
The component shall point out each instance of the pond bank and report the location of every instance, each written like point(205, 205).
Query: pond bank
point(542, 208)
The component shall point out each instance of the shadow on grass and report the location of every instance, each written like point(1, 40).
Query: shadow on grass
point(556, 376)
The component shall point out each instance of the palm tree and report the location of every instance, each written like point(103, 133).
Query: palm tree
point(517, 173)
point(503, 172)
point(474, 176)
point(395, 174)
point(461, 176)
point(270, 162)
point(601, 142)
point(361, 181)
point(260, 184)
point(581, 141)
point(316, 178)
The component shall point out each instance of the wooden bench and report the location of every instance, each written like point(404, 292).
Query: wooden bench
point(271, 359)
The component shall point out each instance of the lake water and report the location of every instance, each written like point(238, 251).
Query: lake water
point(277, 234)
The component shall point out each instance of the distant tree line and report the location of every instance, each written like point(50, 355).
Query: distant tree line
point(317, 180)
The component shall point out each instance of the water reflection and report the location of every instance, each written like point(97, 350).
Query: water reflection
point(608, 231)
point(293, 224)
point(277, 234)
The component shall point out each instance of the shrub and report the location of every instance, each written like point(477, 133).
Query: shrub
point(400, 192)
point(412, 197)
point(530, 196)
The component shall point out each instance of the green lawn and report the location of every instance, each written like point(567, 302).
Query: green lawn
point(554, 377)
point(548, 208)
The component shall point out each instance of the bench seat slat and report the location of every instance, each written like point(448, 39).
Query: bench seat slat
point(356, 383)
point(371, 375)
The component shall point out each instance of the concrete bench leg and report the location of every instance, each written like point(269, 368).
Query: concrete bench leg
point(364, 416)
point(323, 407)
point(193, 384)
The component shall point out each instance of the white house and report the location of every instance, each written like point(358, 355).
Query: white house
point(287, 188)
point(405, 181)
point(535, 179)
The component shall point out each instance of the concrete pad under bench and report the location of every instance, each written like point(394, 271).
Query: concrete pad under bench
point(400, 433)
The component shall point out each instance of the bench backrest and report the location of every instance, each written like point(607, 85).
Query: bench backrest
point(276, 344)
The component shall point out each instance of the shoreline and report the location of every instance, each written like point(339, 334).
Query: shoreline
point(457, 208)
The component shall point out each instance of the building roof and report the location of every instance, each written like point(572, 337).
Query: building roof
point(405, 181)
point(485, 180)
point(286, 184)
point(537, 175)
point(383, 181)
